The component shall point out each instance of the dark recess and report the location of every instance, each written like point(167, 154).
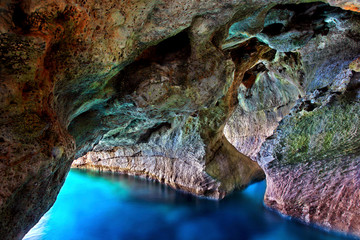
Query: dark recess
point(20, 18)
point(145, 137)
point(273, 29)
point(174, 48)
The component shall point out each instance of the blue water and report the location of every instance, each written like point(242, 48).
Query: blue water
point(93, 206)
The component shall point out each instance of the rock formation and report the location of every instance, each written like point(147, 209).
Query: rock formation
point(265, 103)
point(312, 160)
point(147, 88)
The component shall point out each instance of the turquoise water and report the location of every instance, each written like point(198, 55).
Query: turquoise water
point(94, 206)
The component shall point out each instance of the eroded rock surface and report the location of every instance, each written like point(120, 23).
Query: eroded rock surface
point(69, 73)
point(313, 172)
point(269, 92)
point(190, 134)
point(186, 174)
point(312, 160)
point(264, 102)
point(151, 81)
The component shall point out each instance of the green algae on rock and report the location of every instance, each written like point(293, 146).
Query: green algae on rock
point(312, 160)
point(325, 132)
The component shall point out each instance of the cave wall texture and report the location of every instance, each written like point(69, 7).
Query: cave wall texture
point(192, 93)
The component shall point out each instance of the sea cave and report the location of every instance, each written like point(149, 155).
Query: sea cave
point(180, 119)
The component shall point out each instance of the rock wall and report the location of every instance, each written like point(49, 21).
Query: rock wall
point(263, 105)
point(156, 124)
point(313, 172)
point(69, 85)
point(312, 160)
point(160, 76)
point(186, 174)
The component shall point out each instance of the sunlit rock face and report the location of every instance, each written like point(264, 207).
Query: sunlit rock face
point(152, 83)
point(352, 5)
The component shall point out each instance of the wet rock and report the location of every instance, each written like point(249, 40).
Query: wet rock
point(182, 174)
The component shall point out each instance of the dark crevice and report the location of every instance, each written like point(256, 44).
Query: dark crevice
point(292, 56)
point(176, 48)
point(20, 18)
point(146, 136)
point(249, 79)
point(250, 75)
point(322, 91)
point(273, 29)
point(308, 106)
point(270, 55)
point(218, 37)
point(242, 52)
point(306, 16)
point(354, 83)
point(240, 56)
point(27, 88)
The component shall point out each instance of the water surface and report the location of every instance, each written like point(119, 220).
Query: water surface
point(93, 206)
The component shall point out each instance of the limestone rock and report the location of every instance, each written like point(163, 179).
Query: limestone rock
point(312, 160)
point(182, 174)
point(313, 172)
point(80, 76)
point(68, 77)
point(263, 105)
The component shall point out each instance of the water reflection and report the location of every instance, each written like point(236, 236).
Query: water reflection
point(93, 206)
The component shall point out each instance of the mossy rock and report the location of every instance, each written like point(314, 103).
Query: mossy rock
point(326, 132)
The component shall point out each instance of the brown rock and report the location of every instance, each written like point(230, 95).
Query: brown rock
point(78, 76)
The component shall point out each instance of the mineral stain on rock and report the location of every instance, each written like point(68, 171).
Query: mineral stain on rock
point(206, 97)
